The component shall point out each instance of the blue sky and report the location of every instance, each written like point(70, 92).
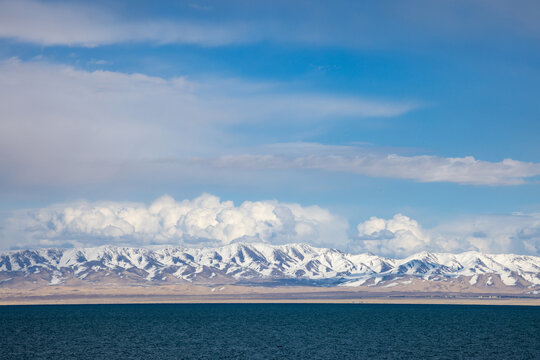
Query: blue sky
point(425, 109)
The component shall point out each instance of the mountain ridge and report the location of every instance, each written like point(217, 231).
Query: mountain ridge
point(263, 264)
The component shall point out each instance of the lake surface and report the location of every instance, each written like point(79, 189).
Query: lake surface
point(269, 331)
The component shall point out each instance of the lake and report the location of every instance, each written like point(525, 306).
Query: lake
point(269, 331)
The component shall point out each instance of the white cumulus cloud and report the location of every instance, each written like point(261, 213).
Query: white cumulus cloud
point(208, 221)
point(402, 236)
point(205, 220)
point(398, 236)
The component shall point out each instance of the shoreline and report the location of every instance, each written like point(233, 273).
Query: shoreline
point(240, 300)
point(197, 294)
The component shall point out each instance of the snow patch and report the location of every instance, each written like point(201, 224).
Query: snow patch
point(507, 279)
point(56, 281)
point(353, 283)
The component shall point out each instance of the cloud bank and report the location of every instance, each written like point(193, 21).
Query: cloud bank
point(205, 220)
point(209, 221)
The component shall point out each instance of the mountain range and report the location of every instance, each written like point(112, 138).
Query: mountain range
point(265, 265)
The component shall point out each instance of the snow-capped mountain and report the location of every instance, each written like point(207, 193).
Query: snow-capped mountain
point(252, 264)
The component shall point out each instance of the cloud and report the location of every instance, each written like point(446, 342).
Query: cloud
point(518, 233)
point(341, 23)
point(399, 236)
point(94, 126)
point(209, 221)
point(87, 126)
point(402, 236)
point(79, 25)
point(205, 220)
point(423, 168)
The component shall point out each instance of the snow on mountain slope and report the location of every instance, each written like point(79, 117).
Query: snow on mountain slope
point(259, 263)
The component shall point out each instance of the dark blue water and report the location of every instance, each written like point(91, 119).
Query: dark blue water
point(265, 331)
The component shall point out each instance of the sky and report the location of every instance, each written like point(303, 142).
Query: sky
point(388, 127)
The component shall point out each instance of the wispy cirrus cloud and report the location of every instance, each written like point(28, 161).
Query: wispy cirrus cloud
point(340, 23)
point(81, 123)
point(48, 23)
point(60, 123)
point(422, 168)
